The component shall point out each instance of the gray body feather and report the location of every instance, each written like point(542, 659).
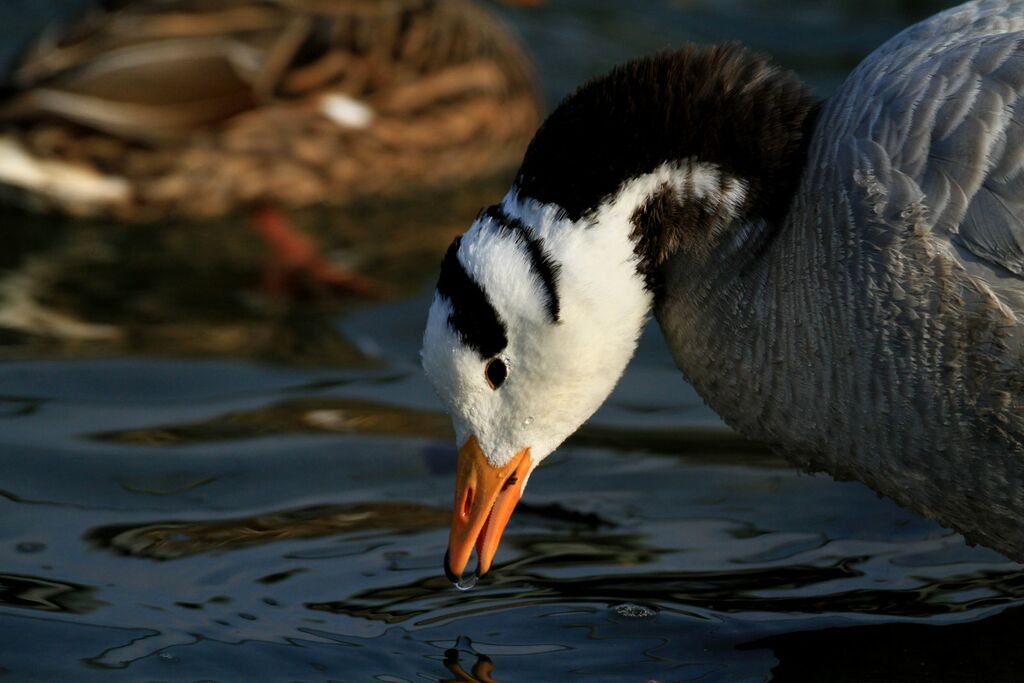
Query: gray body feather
point(879, 333)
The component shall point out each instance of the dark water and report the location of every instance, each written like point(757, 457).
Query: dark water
point(198, 482)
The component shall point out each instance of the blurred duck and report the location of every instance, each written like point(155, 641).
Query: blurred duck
point(148, 109)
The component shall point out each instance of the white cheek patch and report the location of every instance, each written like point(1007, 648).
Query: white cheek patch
point(439, 344)
point(452, 369)
point(445, 358)
point(457, 375)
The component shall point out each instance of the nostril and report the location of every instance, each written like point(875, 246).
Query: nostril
point(467, 502)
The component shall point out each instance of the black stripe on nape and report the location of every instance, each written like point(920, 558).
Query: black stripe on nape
point(540, 261)
point(472, 317)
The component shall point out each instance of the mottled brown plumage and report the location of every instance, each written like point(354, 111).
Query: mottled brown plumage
point(205, 107)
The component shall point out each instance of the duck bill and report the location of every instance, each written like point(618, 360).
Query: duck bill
point(485, 497)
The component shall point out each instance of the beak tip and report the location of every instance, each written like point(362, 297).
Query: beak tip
point(485, 496)
point(452, 576)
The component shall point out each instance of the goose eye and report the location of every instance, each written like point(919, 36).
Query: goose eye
point(495, 372)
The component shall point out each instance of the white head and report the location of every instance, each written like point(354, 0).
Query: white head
point(558, 304)
point(535, 318)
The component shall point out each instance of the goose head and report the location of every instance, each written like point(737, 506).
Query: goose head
point(522, 349)
point(539, 305)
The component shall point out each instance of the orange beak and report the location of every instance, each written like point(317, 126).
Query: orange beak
point(485, 496)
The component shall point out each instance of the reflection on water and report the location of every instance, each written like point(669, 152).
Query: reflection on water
point(482, 669)
point(357, 416)
point(171, 540)
point(199, 481)
point(29, 592)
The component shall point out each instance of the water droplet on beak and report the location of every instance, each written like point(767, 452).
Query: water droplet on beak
point(467, 581)
point(528, 421)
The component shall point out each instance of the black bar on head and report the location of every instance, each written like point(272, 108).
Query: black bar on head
point(472, 317)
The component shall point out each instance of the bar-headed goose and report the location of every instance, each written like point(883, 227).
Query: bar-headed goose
point(843, 281)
